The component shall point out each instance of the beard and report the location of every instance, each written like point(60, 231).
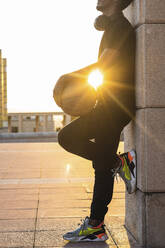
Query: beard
point(102, 23)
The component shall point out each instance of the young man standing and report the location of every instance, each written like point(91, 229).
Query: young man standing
point(115, 108)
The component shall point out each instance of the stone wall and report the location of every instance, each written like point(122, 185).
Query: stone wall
point(145, 210)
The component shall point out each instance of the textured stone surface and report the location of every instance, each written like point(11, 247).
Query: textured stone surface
point(17, 225)
point(129, 137)
point(121, 236)
point(61, 212)
point(5, 204)
point(146, 11)
point(155, 217)
point(17, 214)
point(17, 239)
point(114, 221)
point(146, 218)
point(135, 215)
point(150, 73)
point(149, 136)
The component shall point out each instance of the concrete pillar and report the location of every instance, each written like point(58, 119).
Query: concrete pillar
point(20, 123)
point(9, 124)
point(4, 91)
point(37, 123)
point(45, 123)
point(145, 209)
point(0, 89)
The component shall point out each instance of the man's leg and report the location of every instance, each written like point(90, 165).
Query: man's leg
point(104, 181)
point(75, 137)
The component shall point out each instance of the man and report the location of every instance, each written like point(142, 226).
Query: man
point(114, 110)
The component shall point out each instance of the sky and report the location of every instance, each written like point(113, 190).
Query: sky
point(42, 40)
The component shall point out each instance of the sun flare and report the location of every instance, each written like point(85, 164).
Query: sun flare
point(95, 78)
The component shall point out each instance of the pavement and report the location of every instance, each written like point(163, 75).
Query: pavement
point(45, 191)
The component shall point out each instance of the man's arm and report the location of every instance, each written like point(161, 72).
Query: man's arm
point(106, 60)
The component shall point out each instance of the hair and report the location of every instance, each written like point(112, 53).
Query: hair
point(125, 3)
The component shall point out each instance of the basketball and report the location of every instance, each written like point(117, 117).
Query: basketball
point(75, 96)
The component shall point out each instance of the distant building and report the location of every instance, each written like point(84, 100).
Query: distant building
point(3, 94)
point(37, 122)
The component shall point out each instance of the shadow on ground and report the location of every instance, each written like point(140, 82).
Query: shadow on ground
point(87, 244)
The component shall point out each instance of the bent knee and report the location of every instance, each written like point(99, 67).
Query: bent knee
point(61, 137)
point(64, 138)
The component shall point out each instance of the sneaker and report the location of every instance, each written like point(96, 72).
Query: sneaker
point(127, 170)
point(87, 232)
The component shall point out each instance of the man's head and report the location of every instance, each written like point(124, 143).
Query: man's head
point(103, 5)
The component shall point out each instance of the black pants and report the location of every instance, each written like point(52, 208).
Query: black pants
point(105, 126)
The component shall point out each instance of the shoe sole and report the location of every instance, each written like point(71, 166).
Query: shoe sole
point(80, 239)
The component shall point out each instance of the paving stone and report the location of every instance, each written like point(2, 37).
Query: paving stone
point(117, 195)
point(75, 196)
point(20, 175)
point(116, 211)
point(62, 190)
point(53, 223)
point(19, 191)
point(11, 185)
point(17, 225)
point(17, 214)
point(11, 197)
point(63, 212)
point(121, 236)
point(18, 204)
point(114, 221)
point(119, 186)
point(17, 239)
point(20, 197)
point(52, 158)
point(117, 203)
point(67, 204)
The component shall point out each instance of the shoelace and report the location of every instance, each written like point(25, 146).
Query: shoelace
point(115, 173)
point(83, 223)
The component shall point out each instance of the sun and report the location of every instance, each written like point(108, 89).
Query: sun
point(95, 78)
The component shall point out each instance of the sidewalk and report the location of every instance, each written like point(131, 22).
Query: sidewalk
point(45, 191)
